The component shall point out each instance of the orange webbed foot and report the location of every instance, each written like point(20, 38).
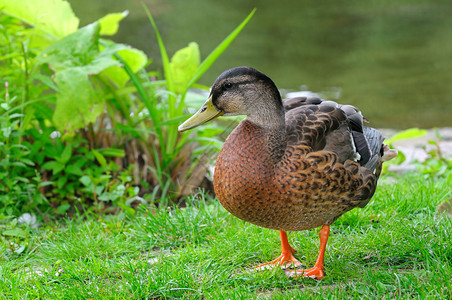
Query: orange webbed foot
point(285, 260)
point(314, 273)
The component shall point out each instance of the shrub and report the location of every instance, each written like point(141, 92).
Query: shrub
point(89, 125)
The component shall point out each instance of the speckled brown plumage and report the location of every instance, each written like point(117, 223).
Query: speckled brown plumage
point(302, 190)
point(290, 165)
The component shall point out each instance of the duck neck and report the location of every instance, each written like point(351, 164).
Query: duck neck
point(273, 126)
point(269, 113)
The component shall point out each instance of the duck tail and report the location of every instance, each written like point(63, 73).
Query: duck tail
point(378, 150)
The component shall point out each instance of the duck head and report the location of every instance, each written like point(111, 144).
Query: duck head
point(240, 91)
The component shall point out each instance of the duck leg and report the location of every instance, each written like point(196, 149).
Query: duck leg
point(315, 272)
point(286, 258)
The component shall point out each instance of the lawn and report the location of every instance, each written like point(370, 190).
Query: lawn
point(398, 246)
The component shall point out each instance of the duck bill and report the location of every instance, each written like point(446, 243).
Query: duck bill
point(206, 113)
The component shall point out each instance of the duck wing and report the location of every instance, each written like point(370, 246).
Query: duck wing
point(329, 126)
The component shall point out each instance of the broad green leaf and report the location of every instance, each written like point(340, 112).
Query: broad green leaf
point(183, 65)
point(109, 24)
point(77, 102)
point(61, 181)
point(80, 49)
point(86, 180)
point(66, 155)
point(77, 49)
point(53, 165)
point(74, 170)
point(408, 134)
point(135, 59)
point(74, 59)
point(63, 208)
point(55, 18)
point(99, 189)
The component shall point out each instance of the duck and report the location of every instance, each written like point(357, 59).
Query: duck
point(290, 165)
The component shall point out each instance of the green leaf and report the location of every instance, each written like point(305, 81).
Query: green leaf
point(100, 158)
point(20, 250)
point(75, 59)
point(45, 183)
point(52, 17)
point(77, 102)
point(53, 165)
point(129, 210)
point(27, 161)
point(134, 58)
point(63, 208)
point(109, 24)
point(13, 116)
point(86, 180)
point(183, 65)
point(408, 134)
point(74, 170)
point(15, 232)
point(80, 49)
point(165, 62)
point(46, 80)
point(20, 146)
point(61, 181)
point(66, 155)
point(112, 152)
point(99, 189)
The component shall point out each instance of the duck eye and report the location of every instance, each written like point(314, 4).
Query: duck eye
point(227, 85)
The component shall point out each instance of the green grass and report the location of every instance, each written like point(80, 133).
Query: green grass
point(396, 247)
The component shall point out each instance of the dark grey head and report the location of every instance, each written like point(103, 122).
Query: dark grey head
point(244, 91)
point(241, 91)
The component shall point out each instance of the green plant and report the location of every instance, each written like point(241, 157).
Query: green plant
point(435, 165)
point(46, 104)
point(99, 129)
point(19, 182)
point(403, 135)
point(175, 175)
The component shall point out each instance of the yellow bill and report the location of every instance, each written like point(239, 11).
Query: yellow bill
point(206, 113)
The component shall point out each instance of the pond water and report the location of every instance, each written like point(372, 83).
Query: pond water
point(392, 59)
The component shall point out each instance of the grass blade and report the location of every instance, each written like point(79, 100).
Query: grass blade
point(172, 131)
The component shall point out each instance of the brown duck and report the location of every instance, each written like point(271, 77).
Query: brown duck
point(290, 165)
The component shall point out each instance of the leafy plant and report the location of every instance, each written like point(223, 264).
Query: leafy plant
point(17, 178)
point(435, 165)
point(98, 128)
point(175, 149)
point(404, 135)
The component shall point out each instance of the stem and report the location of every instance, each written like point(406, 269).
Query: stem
point(26, 88)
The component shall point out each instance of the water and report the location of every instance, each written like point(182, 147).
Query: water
point(392, 59)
